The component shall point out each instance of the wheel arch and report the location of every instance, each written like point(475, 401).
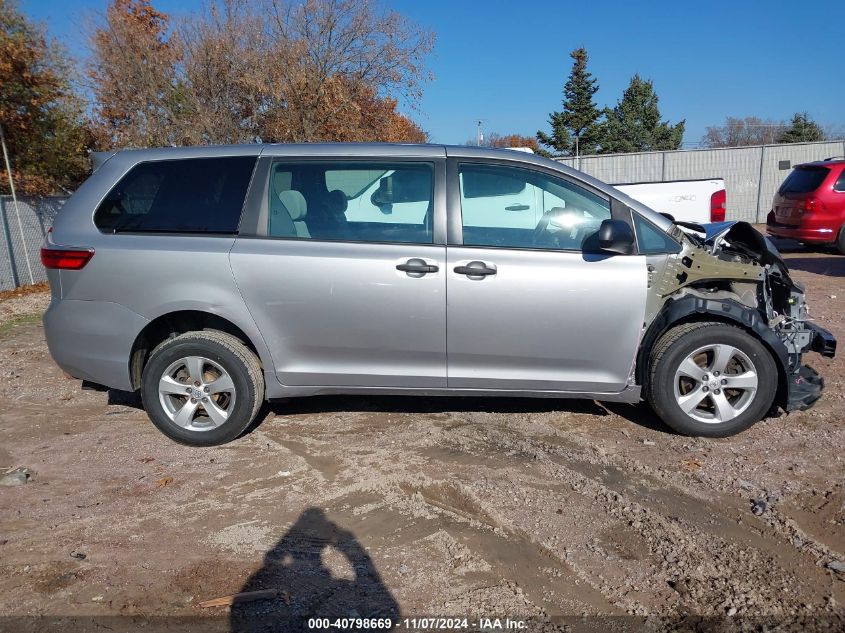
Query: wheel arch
point(691, 309)
point(178, 322)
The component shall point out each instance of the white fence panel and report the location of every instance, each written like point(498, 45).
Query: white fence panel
point(751, 174)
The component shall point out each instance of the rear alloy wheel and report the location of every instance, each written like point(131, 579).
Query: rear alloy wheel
point(711, 379)
point(202, 388)
point(196, 393)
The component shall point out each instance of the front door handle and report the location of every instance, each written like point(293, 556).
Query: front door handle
point(518, 207)
point(473, 269)
point(417, 266)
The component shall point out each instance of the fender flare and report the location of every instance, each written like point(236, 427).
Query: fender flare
point(678, 310)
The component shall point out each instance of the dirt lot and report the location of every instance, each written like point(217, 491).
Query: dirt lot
point(388, 506)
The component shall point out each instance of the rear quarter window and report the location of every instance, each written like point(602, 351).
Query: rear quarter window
point(804, 180)
point(195, 195)
point(840, 182)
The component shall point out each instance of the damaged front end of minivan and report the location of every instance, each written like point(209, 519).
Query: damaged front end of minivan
point(730, 272)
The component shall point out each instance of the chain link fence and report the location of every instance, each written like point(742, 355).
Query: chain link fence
point(23, 230)
point(752, 174)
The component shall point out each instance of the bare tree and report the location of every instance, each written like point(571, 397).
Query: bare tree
point(328, 53)
point(226, 59)
point(247, 69)
point(133, 71)
point(750, 130)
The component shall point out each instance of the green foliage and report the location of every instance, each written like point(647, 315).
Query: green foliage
point(802, 129)
point(579, 116)
point(41, 116)
point(634, 124)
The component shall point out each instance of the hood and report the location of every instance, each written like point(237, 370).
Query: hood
point(742, 238)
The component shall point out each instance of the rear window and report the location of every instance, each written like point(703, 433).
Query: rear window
point(804, 180)
point(195, 195)
point(840, 182)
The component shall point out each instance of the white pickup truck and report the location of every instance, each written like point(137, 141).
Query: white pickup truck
point(520, 205)
point(698, 201)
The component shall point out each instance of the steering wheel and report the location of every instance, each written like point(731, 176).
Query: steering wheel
point(561, 228)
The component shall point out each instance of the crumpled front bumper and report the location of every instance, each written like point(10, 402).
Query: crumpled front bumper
point(804, 389)
point(823, 341)
point(805, 386)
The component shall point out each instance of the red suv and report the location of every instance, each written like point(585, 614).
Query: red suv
point(810, 205)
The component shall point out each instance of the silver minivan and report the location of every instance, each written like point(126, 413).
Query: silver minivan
point(212, 279)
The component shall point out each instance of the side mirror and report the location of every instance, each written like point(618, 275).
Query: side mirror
point(616, 236)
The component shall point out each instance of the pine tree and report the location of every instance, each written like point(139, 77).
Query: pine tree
point(634, 124)
point(802, 129)
point(578, 119)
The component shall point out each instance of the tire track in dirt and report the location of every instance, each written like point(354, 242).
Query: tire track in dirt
point(710, 554)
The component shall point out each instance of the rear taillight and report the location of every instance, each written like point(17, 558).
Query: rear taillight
point(717, 206)
point(65, 258)
point(810, 205)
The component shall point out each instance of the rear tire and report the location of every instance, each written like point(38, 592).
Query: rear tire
point(840, 242)
point(711, 379)
point(202, 388)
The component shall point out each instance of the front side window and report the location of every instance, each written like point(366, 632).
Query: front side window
point(195, 195)
point(511, 207)
point(651, 239)
point(358, 202)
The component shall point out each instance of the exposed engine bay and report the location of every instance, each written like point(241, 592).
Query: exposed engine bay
point(732, 269)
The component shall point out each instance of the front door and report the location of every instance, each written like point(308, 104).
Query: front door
point(528, 306)
point(344, 278)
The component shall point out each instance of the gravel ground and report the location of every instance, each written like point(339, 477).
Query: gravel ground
point(386, 506)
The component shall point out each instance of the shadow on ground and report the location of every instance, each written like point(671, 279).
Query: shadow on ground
point(820, 260)
point(830, 265)
point(639, 414)
point(317, 570)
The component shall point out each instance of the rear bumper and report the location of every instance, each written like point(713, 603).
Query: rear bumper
point(800, 233)
point(92, 340)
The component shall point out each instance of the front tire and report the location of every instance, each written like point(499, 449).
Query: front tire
point(202, 388)
point(711, 379)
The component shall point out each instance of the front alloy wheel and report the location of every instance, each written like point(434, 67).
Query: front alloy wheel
point(711, 379)
point(715, 383)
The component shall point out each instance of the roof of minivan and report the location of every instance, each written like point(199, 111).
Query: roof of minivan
point(326, 149)
point(429, 150)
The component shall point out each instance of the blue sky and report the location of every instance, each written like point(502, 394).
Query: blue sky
point(506, 61)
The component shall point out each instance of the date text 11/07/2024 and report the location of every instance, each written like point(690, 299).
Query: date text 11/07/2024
point(417, 624)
